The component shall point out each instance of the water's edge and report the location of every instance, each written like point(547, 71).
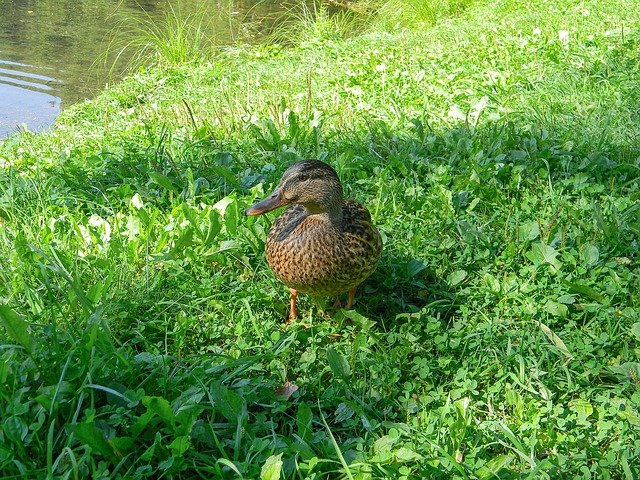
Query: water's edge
point(52, 54)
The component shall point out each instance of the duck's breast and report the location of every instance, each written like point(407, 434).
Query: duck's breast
point(314, 256)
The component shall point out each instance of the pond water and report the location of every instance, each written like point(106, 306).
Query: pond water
point(52, 52)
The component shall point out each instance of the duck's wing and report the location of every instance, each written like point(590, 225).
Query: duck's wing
point(361, 238)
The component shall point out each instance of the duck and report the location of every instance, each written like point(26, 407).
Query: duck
point(322, 244)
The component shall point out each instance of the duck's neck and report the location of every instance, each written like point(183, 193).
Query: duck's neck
point(332, 215)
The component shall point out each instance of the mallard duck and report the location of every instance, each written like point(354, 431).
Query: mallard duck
point(322, 244)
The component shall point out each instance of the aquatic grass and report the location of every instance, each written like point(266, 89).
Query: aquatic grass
point(406, 14)
point(175, 39)
point(316, 24)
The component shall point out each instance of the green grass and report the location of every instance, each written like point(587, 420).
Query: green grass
point(143, 333)
point(394, 15)
point(177, 38)
point(303, 25)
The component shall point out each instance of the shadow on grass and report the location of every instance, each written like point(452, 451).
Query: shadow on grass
point(404, 285)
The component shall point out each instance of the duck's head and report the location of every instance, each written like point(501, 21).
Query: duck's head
point(311, 183)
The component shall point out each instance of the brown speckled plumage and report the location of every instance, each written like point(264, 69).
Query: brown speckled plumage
point(321, 244)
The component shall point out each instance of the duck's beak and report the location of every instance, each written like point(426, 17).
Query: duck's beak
point(273, 201)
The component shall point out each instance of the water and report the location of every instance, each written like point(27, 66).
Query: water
point(51, 50)
point(27, 96)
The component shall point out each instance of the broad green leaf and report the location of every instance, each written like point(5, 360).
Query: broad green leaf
point(474, 203)
point(344, 412)
point(599, 218)
point(166, 464)
point(143, 420)
point(162, 408)
point(17, 328)
point(359, 342)
point(304, 418)
point(137, 202)
point(313, 462)
point(180, 445)
point(514, 398)
point(15, 428)
point(122, 445)
point(187, 417)
point(404, 454)
point(556, 340)
point(228, 403)
point(230, 465)
point(302, 449)
point(459, 427)
point(214, 226)
point(542, 253)
point(133, 226)
point(339, 365)
point(360, 320)
point(567, 299)
point(231, 216)
point(584, 290)
point(461, 407)
point(185, 240)
point(492, 282)
point(192, 216)
point(583, 408)
point(228, 245)
point(635, 330)
point(384, 444)
point(221, 205)
point(630, 416)
point(272, 468)
point(493, 466)
point(162, 180)
point(590, 255)
point(528, 231)
point(415, 267)
point(557, 309)
point(91, 435)
point(6, 454)
point(143, 216)
point(628, 371)
point(456, 277)
point(227, 175)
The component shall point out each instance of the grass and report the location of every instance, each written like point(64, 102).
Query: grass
point(143, 332)
point(316, 24)
point(176, 38)
point(395, 15)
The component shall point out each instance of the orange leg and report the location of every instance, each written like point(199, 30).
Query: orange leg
point(292, 310)
point(352, 293)
point(338, 304)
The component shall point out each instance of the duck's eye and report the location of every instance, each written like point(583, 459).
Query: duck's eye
point(303, 177)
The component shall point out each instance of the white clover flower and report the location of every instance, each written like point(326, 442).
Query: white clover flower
point(563, 36)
